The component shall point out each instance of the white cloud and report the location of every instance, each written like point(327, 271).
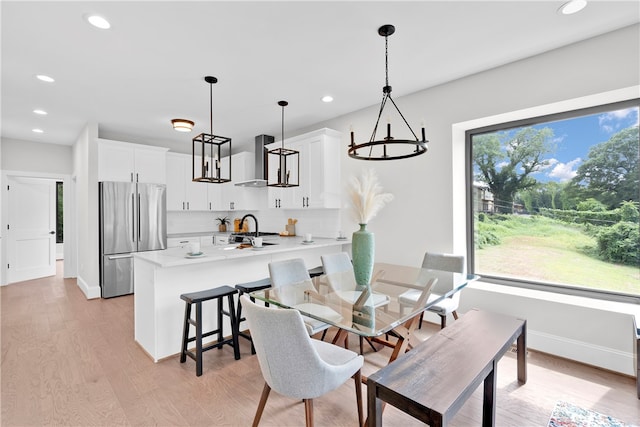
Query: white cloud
point(565, 171)
point(615, 120)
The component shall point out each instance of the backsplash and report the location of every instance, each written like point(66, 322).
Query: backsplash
point(318, 222)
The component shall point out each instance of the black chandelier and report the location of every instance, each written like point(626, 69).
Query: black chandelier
point(208, 150)
point(286, 159)
point(388, 148)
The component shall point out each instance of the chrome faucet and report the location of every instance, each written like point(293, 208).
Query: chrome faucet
point(254, 219)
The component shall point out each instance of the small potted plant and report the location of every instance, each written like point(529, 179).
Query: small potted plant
point(222, 223)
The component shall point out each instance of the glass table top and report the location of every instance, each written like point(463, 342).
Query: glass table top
point(391, 300)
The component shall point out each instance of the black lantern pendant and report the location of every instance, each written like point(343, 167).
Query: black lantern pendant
point(388, 148)
point(208, 150)
point(287, 161)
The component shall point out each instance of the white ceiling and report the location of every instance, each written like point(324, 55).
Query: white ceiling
point(149, 67)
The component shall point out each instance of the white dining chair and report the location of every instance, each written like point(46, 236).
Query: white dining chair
point(295, 365)
point(294, 271)
point(342, 280)
point(436, 261)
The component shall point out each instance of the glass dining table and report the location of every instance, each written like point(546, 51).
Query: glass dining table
point(373, 311)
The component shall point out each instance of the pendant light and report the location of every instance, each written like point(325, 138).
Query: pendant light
point(284, 161)
point(388, 148)
point(208, 150)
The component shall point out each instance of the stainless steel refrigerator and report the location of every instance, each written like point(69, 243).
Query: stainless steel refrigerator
point(132, 219)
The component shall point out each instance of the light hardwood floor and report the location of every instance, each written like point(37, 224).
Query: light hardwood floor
point(72, 362)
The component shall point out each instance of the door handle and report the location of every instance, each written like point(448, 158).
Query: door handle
point(52, 232)
point(112, 257)
point(138, 217)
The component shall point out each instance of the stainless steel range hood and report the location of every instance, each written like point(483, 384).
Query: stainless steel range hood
point(260, 172)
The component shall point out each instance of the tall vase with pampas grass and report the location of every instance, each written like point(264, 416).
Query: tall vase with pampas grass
point(367, 199)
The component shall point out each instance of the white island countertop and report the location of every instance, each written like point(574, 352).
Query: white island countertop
point(160, 277)
point(174, 257)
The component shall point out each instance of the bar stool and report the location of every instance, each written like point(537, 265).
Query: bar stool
point(315, 273)
point(245, 288)
point(197, 298)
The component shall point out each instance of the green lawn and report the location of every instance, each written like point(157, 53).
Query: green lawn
point(551, 252)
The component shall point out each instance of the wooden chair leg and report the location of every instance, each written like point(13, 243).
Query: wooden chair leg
point(308, 412)
point(357, 378)
point(324, 333)
point(443, 321)
point(421, 318)
point(263, 402)
point(455, 314)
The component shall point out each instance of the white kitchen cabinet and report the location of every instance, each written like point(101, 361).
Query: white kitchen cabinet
point(185, 195)
point(319, 177)
point(125, 162)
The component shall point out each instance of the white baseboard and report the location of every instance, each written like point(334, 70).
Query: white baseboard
point(591, 354)
point(91, 292)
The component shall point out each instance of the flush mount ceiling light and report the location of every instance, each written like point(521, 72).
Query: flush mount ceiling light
point(182, 125)
point(37, 130)
point(388, 148)
point(327, 98)
point(98, 22)
point(208, 151)
point(572, 7)
point(286, 160)
point(40, 112)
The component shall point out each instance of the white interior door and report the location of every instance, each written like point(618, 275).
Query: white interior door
point(31, 235)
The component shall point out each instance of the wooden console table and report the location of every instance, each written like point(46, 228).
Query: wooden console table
point(432, 381)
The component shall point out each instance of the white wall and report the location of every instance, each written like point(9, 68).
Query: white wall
point(428, 212)
point(36, 157)
point(86, 178)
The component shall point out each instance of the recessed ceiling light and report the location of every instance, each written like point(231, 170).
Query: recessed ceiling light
point(572, 6)
point(98, 22)
point(45, 78)
point(327, 98)
point(40, 112)
point(37, 130)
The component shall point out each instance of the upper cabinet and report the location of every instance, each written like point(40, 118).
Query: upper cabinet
point(319, 179)
point(185, 195)
point(125, 162)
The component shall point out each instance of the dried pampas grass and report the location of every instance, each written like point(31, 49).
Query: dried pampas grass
point(367, 197)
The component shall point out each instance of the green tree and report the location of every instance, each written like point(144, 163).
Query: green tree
point(591, 205)
point(505, 161)
point(610, 174)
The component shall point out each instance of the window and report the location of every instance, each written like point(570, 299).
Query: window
point(555, 202)
point(59, 214)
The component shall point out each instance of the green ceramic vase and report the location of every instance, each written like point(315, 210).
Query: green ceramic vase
point(362, 254)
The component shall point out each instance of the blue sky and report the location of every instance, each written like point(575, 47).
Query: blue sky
point(574, 137)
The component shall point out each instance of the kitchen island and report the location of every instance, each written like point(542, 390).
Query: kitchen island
point(160, 277)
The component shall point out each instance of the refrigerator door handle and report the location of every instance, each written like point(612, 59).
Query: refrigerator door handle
point(112, 257)
point(138, 217)
point(133, 218)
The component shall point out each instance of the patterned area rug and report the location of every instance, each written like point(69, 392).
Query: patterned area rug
point(567, 415)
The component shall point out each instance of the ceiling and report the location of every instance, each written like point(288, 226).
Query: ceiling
point(149, 67)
